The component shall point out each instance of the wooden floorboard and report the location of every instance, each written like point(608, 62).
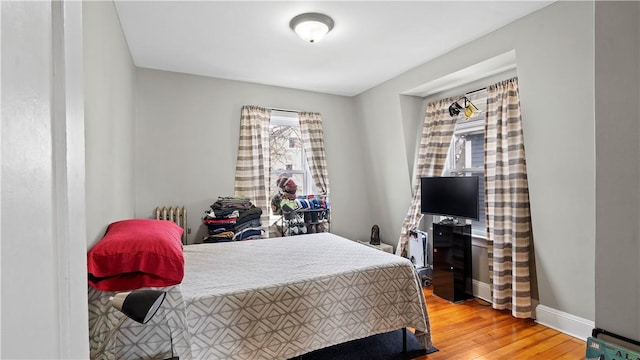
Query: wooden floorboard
point(473, 330)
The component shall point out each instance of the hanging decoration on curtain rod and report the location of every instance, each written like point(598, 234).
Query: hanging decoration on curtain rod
point(468, 108)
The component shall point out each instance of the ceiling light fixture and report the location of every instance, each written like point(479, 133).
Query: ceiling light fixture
point(311, 27)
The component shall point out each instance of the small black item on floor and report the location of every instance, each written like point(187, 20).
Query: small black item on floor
point(375, 235)
point(386, 346)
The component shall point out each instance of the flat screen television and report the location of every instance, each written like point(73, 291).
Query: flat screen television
point(450, 196)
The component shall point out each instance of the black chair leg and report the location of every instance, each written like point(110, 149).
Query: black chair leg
point(404, 340)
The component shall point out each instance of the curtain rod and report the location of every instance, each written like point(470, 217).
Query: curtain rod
point(474, 91)
point(469, 93)
point(486, 87)
point(285, 110)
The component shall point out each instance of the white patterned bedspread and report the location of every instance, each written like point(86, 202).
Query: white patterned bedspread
point(283, 297)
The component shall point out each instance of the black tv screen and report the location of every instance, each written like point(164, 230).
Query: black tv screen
point(450, 196)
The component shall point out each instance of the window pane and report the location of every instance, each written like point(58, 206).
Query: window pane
point(460, 153)
point(287, 157)
point(285, 148)
point(468, 151)
point(476, 143)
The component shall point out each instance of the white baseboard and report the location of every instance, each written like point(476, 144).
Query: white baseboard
point(569, 324)
point(481, 290)
point(566, 323)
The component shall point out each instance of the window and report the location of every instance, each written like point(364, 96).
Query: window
point(466, 153)
point(287, 155)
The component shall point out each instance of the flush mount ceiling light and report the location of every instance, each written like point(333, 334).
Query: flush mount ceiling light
point(311, 27)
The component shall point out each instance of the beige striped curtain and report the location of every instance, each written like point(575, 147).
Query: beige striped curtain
point(252, 166)
point(437, 132)
point(313, 140)
point(507, 201)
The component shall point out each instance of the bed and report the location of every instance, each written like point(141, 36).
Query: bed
point(270, 299)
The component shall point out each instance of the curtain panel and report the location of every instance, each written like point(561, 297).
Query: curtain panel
point(313, 140)
point(437, 132)
point(252, 166)
point(508, 218)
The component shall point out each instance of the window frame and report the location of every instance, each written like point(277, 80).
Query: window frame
point(474, 125)
point(307, 187)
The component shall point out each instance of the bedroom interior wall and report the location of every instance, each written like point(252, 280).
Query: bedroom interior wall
point(187, 139)
point(110, 95)
point(554, 50)
point(617, 109)
point(44, 282)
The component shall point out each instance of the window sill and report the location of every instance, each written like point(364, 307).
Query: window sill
point(479, 240)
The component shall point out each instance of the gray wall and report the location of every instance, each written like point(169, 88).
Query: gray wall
point(617, 109)
point(110, 97)
point(44, 279)
point(554, 50)
point(187, 138)
point(370, 140)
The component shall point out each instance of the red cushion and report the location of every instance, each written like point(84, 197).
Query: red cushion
point(137, 253)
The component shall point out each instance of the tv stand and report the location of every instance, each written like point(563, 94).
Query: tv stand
point(452, 277)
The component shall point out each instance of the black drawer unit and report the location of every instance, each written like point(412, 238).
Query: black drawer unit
point(452, 277)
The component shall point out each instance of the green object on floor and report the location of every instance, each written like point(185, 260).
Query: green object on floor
point(598, 349)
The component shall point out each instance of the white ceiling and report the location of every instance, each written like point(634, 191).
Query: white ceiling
point(372, 41)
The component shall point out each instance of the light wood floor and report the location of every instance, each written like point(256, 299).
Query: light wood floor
point(473, 330)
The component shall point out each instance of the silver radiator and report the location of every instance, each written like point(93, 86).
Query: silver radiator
point(177, 214)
